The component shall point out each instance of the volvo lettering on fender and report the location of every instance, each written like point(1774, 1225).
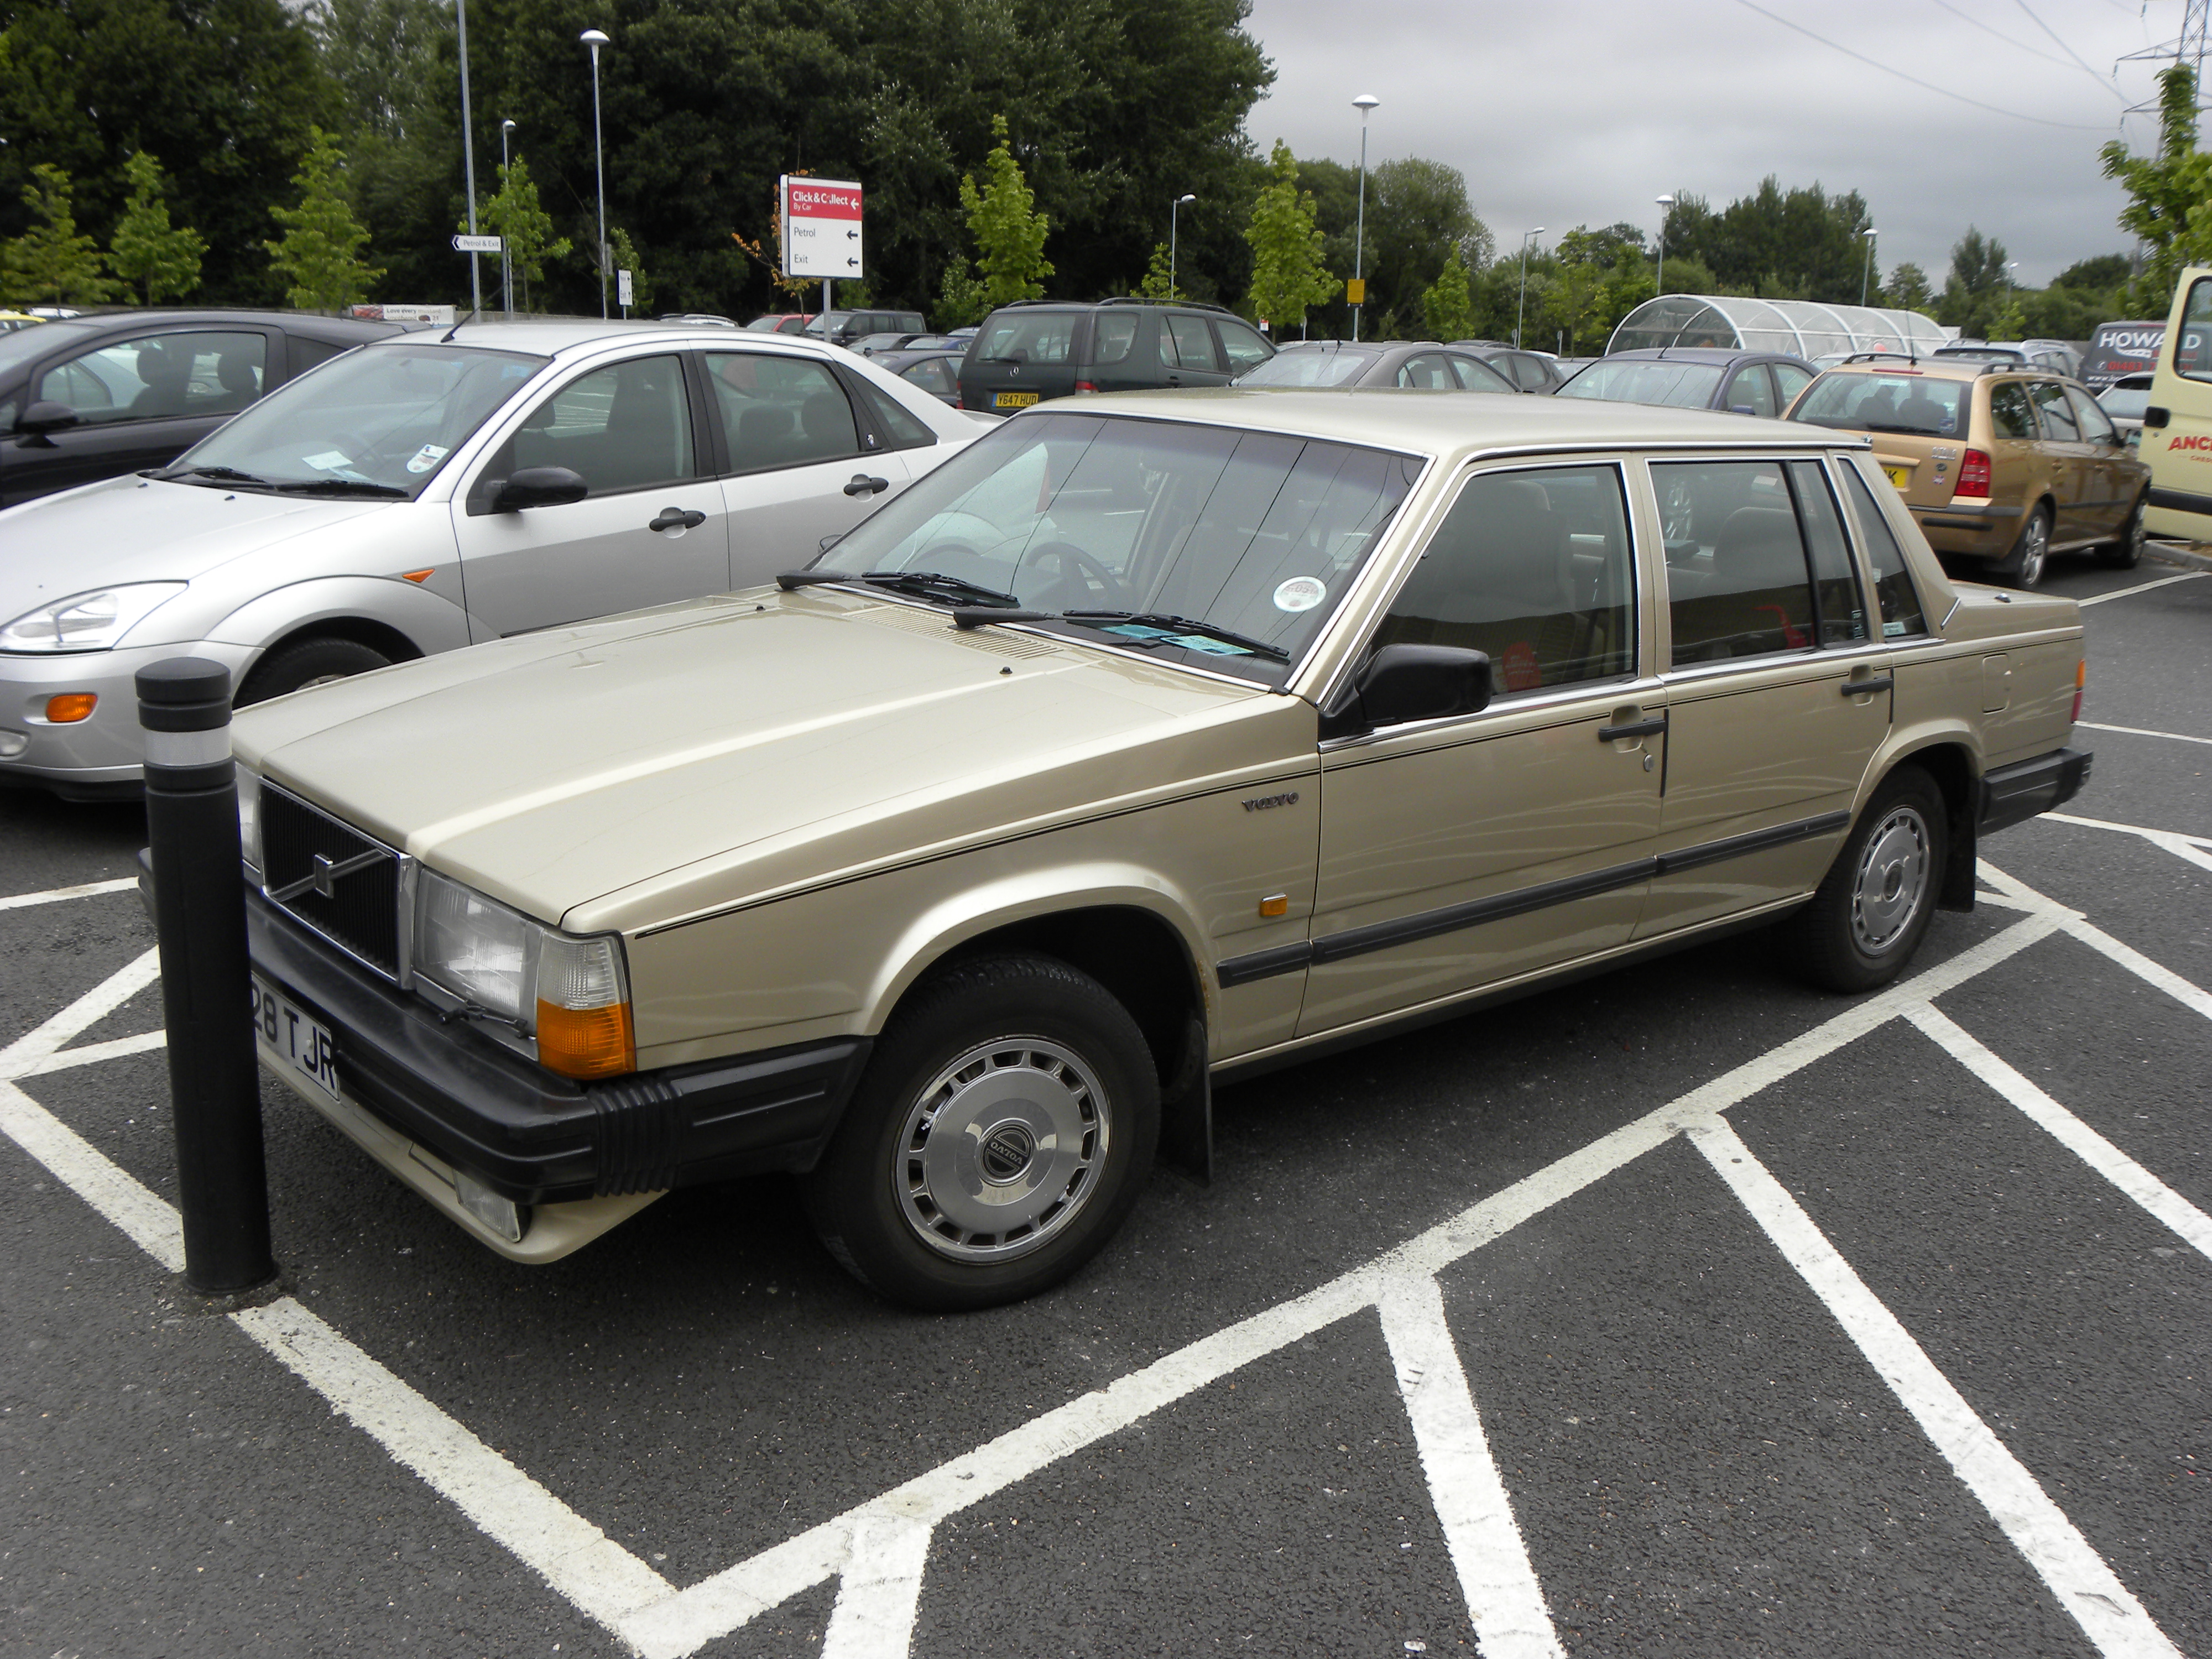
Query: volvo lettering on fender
point(1265, 803)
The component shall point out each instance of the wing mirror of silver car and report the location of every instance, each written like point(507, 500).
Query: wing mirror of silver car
point(1404, 683)
point(540, 486)
point(43, 417)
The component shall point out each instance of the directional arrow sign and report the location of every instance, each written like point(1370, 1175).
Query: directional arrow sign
point(817, 214)
point(476, 243)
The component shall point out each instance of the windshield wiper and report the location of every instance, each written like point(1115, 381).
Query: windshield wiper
point(341, 487)
point(1181, 625)
point(925, 584)
point(227, 474)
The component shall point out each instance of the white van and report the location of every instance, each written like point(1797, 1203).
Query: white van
point(2176, 432)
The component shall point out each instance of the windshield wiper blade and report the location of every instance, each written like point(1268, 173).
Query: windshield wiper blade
point(1181, 625)
point(341, 487)
point(227, 474)
point(932, 584)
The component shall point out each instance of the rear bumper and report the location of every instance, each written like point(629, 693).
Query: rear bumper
point(2013, 794)
point(1983, 528)
point(536, 1138)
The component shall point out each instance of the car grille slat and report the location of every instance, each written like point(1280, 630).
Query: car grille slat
point(358, 909)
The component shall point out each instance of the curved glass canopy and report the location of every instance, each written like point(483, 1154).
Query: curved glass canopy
point(1804, 328)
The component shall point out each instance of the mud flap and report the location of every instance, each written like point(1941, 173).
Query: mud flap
point(1186, 1110)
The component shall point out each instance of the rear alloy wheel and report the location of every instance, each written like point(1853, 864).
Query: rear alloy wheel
point(998, 1139)
point(1875, 905)
point(305, 663)
point(2023, 566)
point(2126, 552)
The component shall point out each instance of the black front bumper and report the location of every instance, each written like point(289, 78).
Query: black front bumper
point(536, 1138)
point(2013, 794)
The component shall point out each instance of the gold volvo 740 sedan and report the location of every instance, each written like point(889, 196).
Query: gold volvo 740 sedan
point(1152, 739)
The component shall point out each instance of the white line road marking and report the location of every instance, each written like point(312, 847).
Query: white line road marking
point(2190, 847)
point(55, 895)
point(2140, 731)
point(25, 1053)
point(2016, 894)
point(880, 1590)
point(2141, 588)
point(1503, 1598)
point(2087, 1588)
point(148, 1220)
point(93, 1052)
point(2077, 1137)
point(602, 1579)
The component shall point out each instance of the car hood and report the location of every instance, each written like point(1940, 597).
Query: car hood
point(138, 530)
point(639, 769)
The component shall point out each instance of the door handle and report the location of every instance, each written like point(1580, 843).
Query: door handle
point(1860, 688)
point(862, 484)
point(675, 517)
point(1651, 728)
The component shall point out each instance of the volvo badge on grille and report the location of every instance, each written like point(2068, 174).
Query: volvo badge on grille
point(323, 877)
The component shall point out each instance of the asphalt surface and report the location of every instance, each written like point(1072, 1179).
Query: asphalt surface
point(1705, 1449)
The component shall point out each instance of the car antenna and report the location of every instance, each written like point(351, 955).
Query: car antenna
point(456, 328)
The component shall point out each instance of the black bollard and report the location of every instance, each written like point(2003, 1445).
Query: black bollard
point(199, 913)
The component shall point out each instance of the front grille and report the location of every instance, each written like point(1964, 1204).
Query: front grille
point(336, 880)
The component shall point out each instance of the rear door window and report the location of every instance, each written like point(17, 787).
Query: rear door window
point(1429, 370)
point(2010, 415)
point(2096, 427)
point(1791, 380)
point(1113, 333)
point(2057, 417)
point(1242, 346)
point(1842, 614)
point(1738, 581)
point(1751, 389)
point(1191, 342)
point(1893, 582)
point(780, 411)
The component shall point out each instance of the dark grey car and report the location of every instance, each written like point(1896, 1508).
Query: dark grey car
point(1422, 364)
point(1531, 371)
point(1696, 377)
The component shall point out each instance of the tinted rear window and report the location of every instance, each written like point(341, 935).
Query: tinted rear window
point(1027, 337)
point(1685, 386)
point(1920, 404)
point(1297, 367)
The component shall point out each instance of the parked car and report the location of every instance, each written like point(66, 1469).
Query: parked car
point(2000, 463)
point(1151, 740)
point(89, 397)
point(1037, 349)
point(2123, 400)
point(705, 319)
point(872, 345)
point(1421, 364)
point(1530, 371)
point(935, 369)
point(2054, 354)
point(1694, 377)
point(848, 328)
point(430, 490)
point(781, 322)
point(2118, 349)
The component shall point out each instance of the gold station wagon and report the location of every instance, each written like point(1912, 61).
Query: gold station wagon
point(1153, 740)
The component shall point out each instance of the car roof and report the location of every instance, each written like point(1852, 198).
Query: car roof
point(548, 337)
point(1939, 368)
point(1450, 428)
point(294, 322)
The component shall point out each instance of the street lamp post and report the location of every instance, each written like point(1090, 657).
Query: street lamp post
point(1365, 104)
point(1174, 209)
point(1866, 276)
point(1521, 312)
point(506, 253)
point(595, 39)
point(467, 147)
point(1659, 286)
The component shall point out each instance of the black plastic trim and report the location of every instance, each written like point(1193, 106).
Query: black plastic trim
point(2179, 500)
point(2013, 794)
point(537, 1137)
point(1263, 964)
point(1758, 841)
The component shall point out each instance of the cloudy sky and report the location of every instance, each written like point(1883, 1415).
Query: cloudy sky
point(1563, 112)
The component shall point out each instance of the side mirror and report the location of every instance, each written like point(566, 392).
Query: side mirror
point(1404, 683)
point(540, 486)
point(43, 417)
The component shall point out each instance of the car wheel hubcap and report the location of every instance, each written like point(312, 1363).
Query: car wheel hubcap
point(1892, 881)
point(2032, 549)
point(1001, 1150)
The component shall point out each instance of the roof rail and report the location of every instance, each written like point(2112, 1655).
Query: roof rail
point(1187, 305)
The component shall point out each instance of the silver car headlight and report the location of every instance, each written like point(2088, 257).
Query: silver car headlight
point(88, 621)
point(570, 993)
point(249, 816)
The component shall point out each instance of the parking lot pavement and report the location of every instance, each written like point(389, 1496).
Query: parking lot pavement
point(1682, 1310)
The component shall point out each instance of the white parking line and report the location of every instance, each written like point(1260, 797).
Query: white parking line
point(27, 1053)
point(1503, 1599)
point(93, 1052)
point(2087, 1588)
point(55, 895)
point(2192, 848)
point(2142, 732)
point(2143, 588)
point(2169, 1206)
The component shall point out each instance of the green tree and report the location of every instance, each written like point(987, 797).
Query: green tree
point(1008, 229)
point(2170, 207)
point(1160, 282)
point(514, 212)
point(51, 263)
point(161, 259)
point(395, 95)
point(1974, 293)
point(1288, 276)
point(626, 258)
point(1446, 305)
point(1800, 243)
point(1417, 217)
point(320, 251)
point(962, 299)
point(2099, 276)
point(1906, 288)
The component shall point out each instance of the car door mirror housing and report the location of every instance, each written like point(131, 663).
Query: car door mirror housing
point(45, 416)
point(1405, 682)
point(540, 486)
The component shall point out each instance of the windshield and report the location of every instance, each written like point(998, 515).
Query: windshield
point(1298, 367)
point(1922, 404)
point(378, 422)
point(1686, 386)
point(1218, 548)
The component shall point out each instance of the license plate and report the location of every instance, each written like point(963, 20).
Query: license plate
point(292, 1041)
point(1899, 476)
point(1013, 399)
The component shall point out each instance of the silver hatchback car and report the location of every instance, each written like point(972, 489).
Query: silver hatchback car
point(428, 492)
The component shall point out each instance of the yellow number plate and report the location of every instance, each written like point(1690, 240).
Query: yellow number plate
point(1013, 399)
point(1899, 476)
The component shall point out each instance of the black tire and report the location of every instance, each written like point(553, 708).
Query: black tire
point(897, 1193)
point(2126, 552)
point(1875, 905)
point(304, 663)
point(2030, 555)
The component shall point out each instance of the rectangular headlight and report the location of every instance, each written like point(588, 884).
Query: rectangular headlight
point(249, 816)
point(475, 947)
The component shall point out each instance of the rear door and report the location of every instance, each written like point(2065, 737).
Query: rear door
point(2111, 469)
point(1189, 354)
point(2069, 461)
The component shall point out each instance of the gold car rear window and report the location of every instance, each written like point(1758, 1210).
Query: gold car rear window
point(1924, 405)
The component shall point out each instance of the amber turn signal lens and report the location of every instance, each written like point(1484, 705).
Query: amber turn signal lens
point(71, 706)
point(586, 1042)
point(1275, 904)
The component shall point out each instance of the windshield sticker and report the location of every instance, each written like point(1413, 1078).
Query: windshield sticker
point(1139, 631)
point(1300, 594)
point(330, 460)
point(1211, 648)
point(425, 458)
